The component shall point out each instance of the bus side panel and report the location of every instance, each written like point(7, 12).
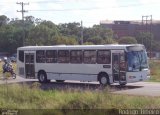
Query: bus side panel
point(77, 77)
point(21, 69)
point(80, 72)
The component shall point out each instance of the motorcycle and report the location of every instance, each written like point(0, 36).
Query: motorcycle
point(9, 68)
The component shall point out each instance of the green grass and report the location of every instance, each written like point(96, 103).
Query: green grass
point(32, 97)
point(18, 96)
point(155, 70)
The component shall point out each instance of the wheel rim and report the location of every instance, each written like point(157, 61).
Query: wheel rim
point(103, 80)
point(41, 77)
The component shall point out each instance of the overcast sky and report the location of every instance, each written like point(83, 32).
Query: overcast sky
point(89, 11)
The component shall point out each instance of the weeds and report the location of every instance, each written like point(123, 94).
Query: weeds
point(155, 71)
point(25, 97)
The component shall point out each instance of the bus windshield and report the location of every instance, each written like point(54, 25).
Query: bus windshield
point(137, 60)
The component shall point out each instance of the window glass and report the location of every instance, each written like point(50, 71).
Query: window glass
point(40, 56)
point(29, 58)
point(76, 56)
point(103, 57)
point(90, 57)
point(21, 56)
point(51, 56)
point(63, 56)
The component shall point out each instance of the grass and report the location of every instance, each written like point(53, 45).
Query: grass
point(18, 96)
point(155, 70)
point(22, 96)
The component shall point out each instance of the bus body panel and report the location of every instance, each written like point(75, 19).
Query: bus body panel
point(82, 71)
point(137, 76)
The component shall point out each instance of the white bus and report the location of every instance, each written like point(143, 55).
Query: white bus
point(104, 63)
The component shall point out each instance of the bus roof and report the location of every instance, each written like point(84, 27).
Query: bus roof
point(62, 47)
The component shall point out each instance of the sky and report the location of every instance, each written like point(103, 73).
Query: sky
point(90, 12)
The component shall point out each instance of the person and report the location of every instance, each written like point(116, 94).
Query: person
point(116, 66)
point(6, 64)
point(7, 67)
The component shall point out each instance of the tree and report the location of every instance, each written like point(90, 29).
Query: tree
point(145, 38)
point(127, 40)
point(155, 46)
point(42, 32)
point(46, 33)
point(10, 38)
point(70, 29)
point(3, 20)
point(65, 40)
point(98, 35)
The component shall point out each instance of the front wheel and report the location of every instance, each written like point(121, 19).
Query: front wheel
point(103, 80)
point(42, 77)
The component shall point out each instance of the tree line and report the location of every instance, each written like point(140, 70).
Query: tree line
point(15, 33)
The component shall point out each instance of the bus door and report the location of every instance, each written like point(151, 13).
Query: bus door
point(30, 64)
point(119, 67)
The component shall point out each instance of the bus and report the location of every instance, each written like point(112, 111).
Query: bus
point(106, 64)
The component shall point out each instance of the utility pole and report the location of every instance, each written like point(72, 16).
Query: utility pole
point(23, 11)
point(145, 20)
point(81, 33)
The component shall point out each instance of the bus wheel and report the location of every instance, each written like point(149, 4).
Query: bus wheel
point(60, 80)
point(42, 77)
point(122, 84)
point(103, 79)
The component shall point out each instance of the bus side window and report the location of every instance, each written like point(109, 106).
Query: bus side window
point(76, 56)
point(103, 57)
point(89, 56)
point(21, 56)
point(51, 56)
point(40, 56)
point(63, 56)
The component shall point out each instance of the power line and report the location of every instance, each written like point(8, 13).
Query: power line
point(81, 32)
point(63, 2)
point(91, 8)
point(23, 11)
point(41, 2)
point(145, 21)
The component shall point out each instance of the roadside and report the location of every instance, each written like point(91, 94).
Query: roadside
point(146, 89)
point(138, 88)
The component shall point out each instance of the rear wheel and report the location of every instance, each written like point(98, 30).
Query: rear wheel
point(103, 79)
point(42, 77)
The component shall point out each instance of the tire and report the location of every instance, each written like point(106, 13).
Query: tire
point(122, 84)
point(60, 81)
point(42, 77)
point(103, 79)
